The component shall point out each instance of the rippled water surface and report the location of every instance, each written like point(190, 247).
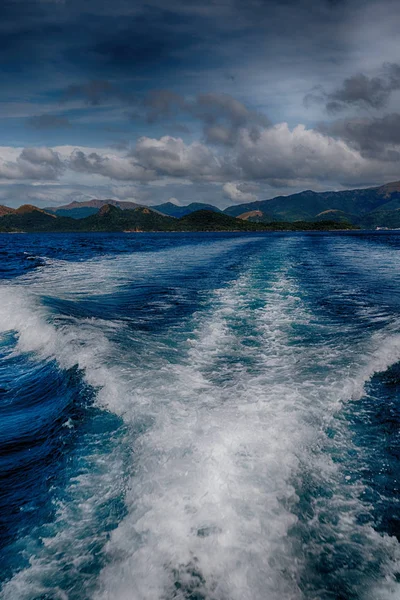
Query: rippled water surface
point(204, 417)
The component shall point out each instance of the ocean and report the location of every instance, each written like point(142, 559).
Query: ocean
point(200, 416)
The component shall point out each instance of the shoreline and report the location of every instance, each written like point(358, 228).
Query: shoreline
point(257, 232)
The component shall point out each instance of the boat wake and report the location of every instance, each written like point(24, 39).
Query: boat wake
point(216, 460)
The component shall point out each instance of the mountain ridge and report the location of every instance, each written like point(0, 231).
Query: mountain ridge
point(309, 205)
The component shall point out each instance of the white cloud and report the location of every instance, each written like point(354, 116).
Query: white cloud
point(172, 157)
point(124, 192)
point(31, 163)
point(281, 154)
point(114, 167)
point(277, 156)
point(236, 193)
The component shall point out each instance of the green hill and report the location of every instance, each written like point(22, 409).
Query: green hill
point(112, 218)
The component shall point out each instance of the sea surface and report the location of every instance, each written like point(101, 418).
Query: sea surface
point(200, 416)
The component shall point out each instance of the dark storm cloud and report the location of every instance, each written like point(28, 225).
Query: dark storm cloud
point(374, 137)
point(359, 91)
point(100, 36)
point(143, 37)
point(364, 91)
point(131, 36)
point(222, 115)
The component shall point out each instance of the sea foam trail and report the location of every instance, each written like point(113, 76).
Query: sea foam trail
point(205, 515)
point(212, 505)
point(234, 417)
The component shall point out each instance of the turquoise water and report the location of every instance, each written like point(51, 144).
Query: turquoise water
point(207, 416)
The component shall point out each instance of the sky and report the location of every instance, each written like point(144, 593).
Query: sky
point(217, 101)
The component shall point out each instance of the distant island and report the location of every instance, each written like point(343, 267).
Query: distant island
point(369, 208)
point(110, 218)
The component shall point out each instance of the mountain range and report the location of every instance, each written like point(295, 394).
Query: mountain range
point(366, 208)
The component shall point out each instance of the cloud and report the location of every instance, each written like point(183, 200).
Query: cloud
point(279, 156)
point(236, 192)
point(124, 192)
point(33, 163)
point(316, 96)
point(48, 122)
point(282, 154)
point(370, 92)
point(374, 137)
point(121, 145)
point(114, 167)
point(209, 107)
point(94, 92)
point(162, 104)
point(222, 115)
point(113, 54)
point(172, 157)
point(347, 152)
point(359, 91)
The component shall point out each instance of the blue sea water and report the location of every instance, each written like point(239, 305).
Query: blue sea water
point(204, 416)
